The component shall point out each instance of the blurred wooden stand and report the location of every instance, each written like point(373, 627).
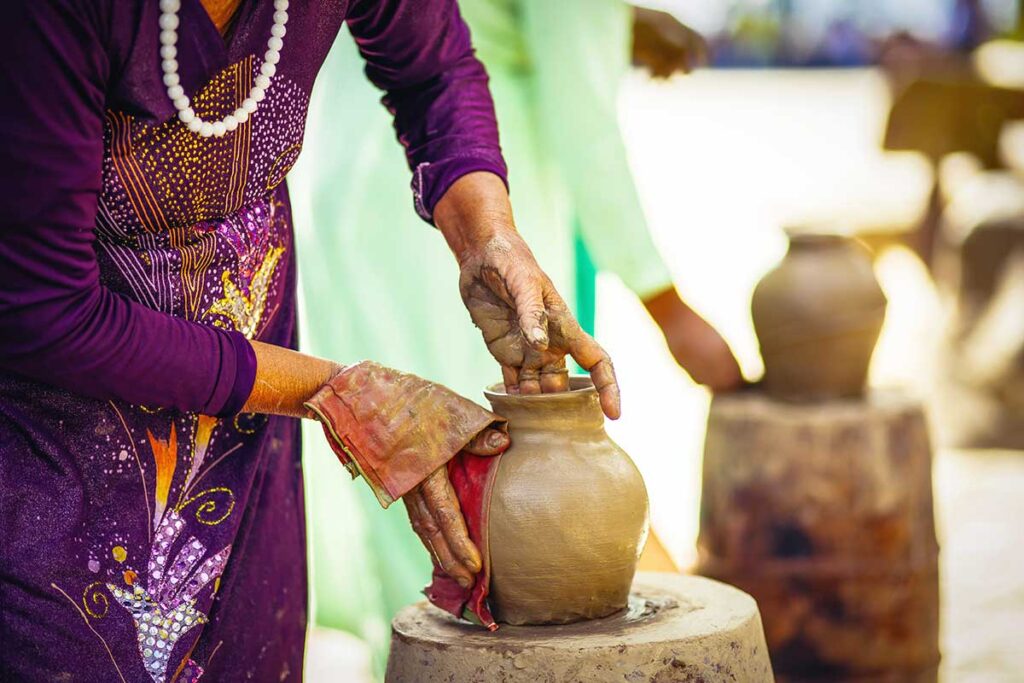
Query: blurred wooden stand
point(823, 512)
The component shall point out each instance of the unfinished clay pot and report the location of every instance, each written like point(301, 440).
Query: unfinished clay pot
point(568, 513)
point(818, 315)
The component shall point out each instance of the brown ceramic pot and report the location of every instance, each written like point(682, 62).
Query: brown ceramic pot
point(568, 515)
point(818, 315)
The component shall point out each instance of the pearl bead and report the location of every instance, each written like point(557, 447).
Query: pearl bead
point(169, 21)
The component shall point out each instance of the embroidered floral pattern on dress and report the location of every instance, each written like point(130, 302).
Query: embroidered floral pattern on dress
point(165, 610)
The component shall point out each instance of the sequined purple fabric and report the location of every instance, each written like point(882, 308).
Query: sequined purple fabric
point(149, 532)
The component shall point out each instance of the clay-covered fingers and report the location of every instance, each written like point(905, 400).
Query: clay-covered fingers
point(554, 377)
point(510, 376)
point(520, 283)
point(424, 525)
point(529, 381)
point(443, 506)
point(526, 287)
point(489, 442)
point(592, 358)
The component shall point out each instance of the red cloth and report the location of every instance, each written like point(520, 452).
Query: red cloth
point(472, 477)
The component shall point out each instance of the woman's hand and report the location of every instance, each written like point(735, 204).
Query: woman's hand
point(526, 324)
point(697, 346)
point(437, 519)
point(398, 432)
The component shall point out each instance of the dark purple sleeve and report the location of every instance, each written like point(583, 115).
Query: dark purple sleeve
point(58, 325)
point(419, 52)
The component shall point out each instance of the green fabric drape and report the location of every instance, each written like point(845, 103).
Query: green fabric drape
point(378, 283)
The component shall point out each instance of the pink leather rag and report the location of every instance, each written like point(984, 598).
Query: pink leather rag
point(393, 428)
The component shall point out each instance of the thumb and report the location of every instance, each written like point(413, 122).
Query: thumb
point(490, 441)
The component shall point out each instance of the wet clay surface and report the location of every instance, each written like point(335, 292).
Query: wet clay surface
point(675, 628)
point(568, 512)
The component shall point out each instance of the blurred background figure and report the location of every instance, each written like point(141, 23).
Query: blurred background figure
point(555, 70)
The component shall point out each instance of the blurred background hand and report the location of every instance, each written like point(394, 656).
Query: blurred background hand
point(664, 45)
point(697, 346)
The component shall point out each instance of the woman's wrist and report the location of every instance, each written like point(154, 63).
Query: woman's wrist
point(473, 211)
point(286, 379)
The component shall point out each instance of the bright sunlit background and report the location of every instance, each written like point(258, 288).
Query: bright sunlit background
point(725, 159)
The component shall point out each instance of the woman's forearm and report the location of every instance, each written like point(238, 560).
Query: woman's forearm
point(286, 379)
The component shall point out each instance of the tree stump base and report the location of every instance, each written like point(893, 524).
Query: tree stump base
point(676, 628)
point(823, 513)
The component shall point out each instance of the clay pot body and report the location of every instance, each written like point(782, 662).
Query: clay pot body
point(818, 315)
point(568, 515)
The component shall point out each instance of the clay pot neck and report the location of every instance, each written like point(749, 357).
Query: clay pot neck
point(574, 410)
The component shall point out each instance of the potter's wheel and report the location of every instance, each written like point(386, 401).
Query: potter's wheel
point(675, 628)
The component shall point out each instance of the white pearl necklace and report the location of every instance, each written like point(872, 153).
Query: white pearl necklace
point(169, 52)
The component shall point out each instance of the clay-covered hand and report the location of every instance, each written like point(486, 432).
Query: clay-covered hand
point(697, 346)
point(664, 45)
point(526, 324)
point(437, 519)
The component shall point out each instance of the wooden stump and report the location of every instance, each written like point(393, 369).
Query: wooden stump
point(823, 513)
point(677, 629)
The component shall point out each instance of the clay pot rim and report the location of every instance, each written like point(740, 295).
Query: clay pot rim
point(580, 386)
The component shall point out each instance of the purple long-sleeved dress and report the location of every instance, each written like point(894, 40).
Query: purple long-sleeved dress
point(148, 531)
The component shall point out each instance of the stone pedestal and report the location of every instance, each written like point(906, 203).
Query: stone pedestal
point(823, 513)
point(676, 628)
